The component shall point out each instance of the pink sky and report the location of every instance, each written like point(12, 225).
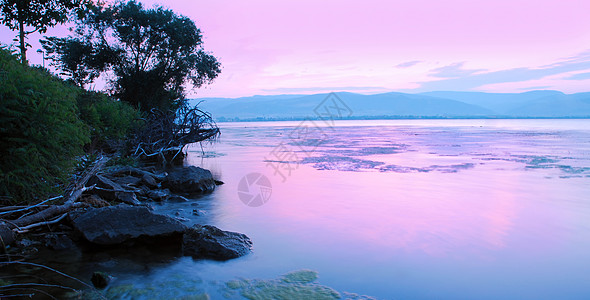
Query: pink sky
point(304, 46)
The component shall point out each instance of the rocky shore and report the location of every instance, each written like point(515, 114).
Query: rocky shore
point(117, 212)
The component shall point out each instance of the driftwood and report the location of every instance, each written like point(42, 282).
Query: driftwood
point(28, 289)
point(44, 216)
point(164, 135)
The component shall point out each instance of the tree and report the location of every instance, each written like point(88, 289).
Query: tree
point(38, 14)
point(152, 53)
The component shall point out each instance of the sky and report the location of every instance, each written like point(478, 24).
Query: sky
point(269, 47)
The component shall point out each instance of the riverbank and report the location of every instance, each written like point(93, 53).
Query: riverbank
point(115, 215)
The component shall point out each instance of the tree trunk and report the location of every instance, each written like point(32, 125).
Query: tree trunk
point(21, 37)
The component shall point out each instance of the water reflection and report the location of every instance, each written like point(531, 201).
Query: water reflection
point(422, 192)
point(464, 209)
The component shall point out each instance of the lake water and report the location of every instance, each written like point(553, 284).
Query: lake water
point(400, 209)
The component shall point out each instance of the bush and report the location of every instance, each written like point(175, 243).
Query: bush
point(109, 121)
point(40, 132)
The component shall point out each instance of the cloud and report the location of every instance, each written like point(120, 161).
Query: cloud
point(579, 76)
point(408, 64)
point(465, 80)
point(453, 71)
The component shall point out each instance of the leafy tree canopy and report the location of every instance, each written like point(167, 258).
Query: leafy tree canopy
point(29, 16)
point(151, 54)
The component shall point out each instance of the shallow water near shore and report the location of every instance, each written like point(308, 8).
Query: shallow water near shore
point(398, 209)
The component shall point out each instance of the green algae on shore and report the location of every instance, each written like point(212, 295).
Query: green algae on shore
point(295, 285)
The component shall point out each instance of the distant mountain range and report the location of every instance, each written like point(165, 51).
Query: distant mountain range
point(535, 104)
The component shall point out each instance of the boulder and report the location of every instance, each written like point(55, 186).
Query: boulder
point(189, 180)
point(211, 242)
point(7, 236)
point(116, 224)
point(104, 183)
point(149, 181)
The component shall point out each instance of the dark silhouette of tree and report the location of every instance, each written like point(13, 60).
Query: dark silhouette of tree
point(29, 16)
point(152, 53)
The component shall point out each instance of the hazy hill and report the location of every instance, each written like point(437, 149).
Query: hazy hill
point(499, 103)
point(432, 104)
point(388, 104)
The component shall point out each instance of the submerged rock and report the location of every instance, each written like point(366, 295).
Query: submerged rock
point(189, 180)
point(211, 242)
point(100, 279)
point(117, 224)
point(295, 285)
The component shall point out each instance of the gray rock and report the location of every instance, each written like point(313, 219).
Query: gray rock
point(189, 180)
point(124, 196)
point(127, 198)
point(103, 182)
point(117, 224)
point(149, 181)
point(158, 195)
point(127, 180)
point(211, 242)
point(56, 241)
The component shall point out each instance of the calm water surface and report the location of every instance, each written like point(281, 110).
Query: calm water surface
point(409, 209)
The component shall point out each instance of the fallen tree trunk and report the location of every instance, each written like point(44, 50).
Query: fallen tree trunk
point(54, 210)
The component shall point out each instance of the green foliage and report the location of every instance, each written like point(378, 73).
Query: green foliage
point(153, 53)
point(40, 132)
point(38, 14)
point(108, 120)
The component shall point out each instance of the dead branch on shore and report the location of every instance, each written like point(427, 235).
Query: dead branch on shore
point(45, 216)
point(26, 229)
point(165, 135)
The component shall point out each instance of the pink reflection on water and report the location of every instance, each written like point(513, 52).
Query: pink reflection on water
point(493, 206)
point(436, 213)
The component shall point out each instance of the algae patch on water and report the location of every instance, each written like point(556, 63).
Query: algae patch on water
point(175, 288)
point(302, 276)
point(295, 285)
